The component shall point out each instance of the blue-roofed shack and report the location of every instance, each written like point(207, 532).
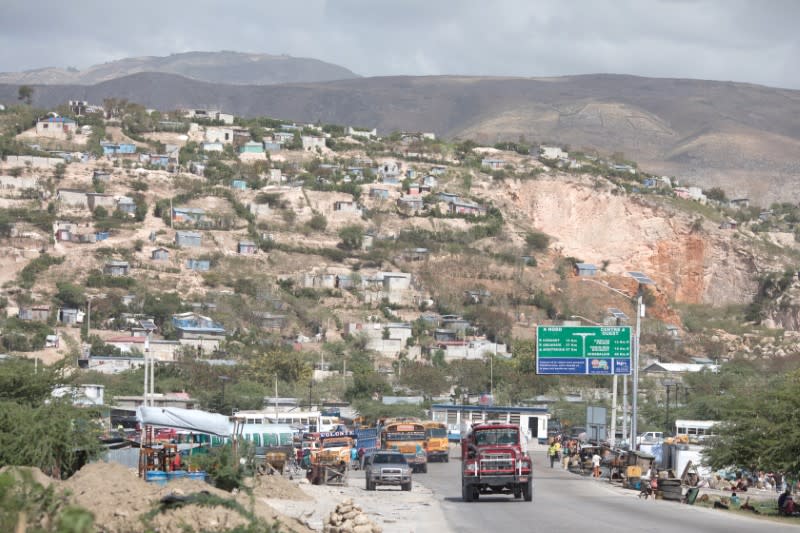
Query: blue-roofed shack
point(192, 323)
point(585, 269)
point(200, 265)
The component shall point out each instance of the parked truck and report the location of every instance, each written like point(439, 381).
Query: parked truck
point(494, 461)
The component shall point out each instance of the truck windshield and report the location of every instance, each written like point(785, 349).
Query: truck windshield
point(496, 436)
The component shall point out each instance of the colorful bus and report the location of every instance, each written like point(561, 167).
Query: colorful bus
point(437, 445)
point(406, 435)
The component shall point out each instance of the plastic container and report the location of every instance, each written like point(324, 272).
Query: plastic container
point(156, 476)
point(176, 474)
point(200, 476)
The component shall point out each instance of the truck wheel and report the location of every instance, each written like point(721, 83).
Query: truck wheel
point(424, 468)
point(406, 486)
point(447, 458)
point(517, 492)
point(466, 493)
point(368, 484)
point(527, 491)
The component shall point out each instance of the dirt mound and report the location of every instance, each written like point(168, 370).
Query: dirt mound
point(115, 494)
point(21, 472)
point(119, 498)
point(279, 488)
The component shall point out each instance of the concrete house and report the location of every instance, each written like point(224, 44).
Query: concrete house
point(492, 164)
point(379, 192)
point(283, 137)
point(95, 200)
point(239, 185)
point(347, 206)
point(116, 268)
point(160, 254)
point(188, 239)
point(312, 143)
point(219, 135)
point(552, 153)
point(156, 160)
point(73, 198)
point(56, 127)
point(103, 176)
point(462, 207)
point(246, 247)
point(410, 203)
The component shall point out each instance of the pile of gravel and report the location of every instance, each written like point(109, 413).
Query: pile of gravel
point(349, 518)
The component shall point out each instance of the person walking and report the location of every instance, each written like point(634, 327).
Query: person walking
point(552, 452)
point(596, 465)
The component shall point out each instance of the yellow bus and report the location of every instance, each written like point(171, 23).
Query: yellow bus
point(406, 435)
point(437, 446)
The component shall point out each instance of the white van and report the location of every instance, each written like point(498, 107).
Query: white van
point(650, 437)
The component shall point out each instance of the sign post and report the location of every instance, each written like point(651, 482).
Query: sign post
point(594, 350)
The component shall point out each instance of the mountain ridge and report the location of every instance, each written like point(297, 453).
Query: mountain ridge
point(740, 137)
point(225, 66)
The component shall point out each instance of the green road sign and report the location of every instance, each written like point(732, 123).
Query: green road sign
point(583, 349)
point(583, 341)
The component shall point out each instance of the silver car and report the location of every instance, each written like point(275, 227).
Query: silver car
point(387, 468)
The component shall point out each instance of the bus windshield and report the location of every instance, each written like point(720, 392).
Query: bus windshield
point(406, 435)
point(437, 433)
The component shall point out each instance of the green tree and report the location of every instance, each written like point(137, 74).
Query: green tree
point(716, 193)
point(537, 240)
point(352, 237)
point(318, 222)
point(25, 93)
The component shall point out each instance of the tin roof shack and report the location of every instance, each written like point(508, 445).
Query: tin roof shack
point(160, 254)
point(70, 316)
point(188, 239)
point(585, 270)
point(116, 268)
point(246, 248)
point(463, 207)
point(126, 205)
point(200, 265)
point(38, 313)
point(188, 215)
point(410, 204)
point(102, 176)
point(193, 323)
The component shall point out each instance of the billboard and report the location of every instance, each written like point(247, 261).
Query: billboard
point(594, 350)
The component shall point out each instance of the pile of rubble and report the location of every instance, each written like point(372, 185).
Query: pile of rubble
point(349, 518)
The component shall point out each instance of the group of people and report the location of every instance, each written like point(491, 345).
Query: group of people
point(568, 451)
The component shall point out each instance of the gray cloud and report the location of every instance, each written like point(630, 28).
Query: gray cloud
point(736, 40)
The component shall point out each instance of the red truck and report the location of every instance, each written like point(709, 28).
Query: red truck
point(494, 462)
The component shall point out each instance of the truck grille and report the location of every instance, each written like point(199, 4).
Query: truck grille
point(497, 461)
point(391, 473)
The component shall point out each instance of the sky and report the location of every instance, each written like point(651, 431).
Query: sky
point(730, 40)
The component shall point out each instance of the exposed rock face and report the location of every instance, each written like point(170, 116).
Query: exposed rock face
point(592, 220)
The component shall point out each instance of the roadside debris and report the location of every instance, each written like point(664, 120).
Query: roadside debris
point(349, 518)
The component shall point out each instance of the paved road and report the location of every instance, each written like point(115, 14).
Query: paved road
point(567, 502)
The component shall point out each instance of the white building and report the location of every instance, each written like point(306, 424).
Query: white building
point(552, 153)
point(312, 143)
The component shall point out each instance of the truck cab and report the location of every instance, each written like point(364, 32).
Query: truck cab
point(495, 462)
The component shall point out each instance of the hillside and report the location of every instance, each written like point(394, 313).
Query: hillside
point(741, 137)
point(215, 67)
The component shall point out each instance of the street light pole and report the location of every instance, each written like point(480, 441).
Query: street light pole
point(635, 392)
